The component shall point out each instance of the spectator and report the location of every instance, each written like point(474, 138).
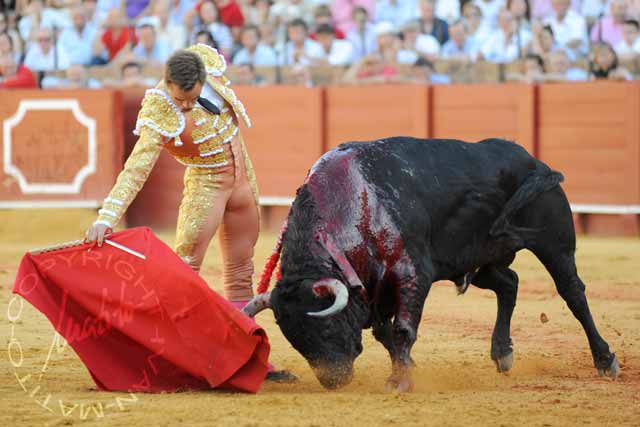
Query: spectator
point(449, 10)
point(542, 42)
point(430, 24)
point(629, 47)
point(559, 69)
point(479, 31)
point(14, 76)
point(90, 13)
point(543, 9)
point(298, 75)
point(397, 12)
point(362, 37)
point(245, 74)
point(284, 11)
point(135, 9)
point(44, 56)
point(131, 76)
point(13, 38)
point(7, 47)
point(259, 13)
point(104, 7)
point(267, 35)
point(209, 19)
point(176, 11)
point(569, 28)
point(253, 52)
point(77, 41)
point(604, 64)
point(75, 78)
point(423, 44)
point(609, 28)
point(337, 52)
point(393, 49)
point(322, 16)
point(230, 13)
point(149, 49)
point(506, 44)
point(521, 12)
point(115, 37)
point(38, 16)
point(343, 12)
point(423, 72)
point(205, 37)
point(490, 10)
point(168, 31)
point(372, 69)
point(533, 70)
point(300, 49)
point(460, 46)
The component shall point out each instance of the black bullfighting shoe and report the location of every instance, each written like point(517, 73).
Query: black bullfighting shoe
point(281, 376)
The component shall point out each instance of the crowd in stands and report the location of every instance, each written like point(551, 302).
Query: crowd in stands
point(120, 43)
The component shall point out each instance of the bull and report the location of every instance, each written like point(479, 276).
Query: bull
point(376, 223)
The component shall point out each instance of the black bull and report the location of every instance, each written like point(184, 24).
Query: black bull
point(376, 223)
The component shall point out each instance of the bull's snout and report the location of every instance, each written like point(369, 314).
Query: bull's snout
point(333, 376)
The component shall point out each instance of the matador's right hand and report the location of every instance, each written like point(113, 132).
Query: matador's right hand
point(97, 233)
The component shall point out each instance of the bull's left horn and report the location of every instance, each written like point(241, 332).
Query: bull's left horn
point(341, 293)
point(257, 304)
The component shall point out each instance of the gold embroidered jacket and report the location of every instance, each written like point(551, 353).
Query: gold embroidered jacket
point(195, 139)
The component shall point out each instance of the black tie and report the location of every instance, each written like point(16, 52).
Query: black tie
point(208, 105)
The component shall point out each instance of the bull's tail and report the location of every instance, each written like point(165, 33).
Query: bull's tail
point(272, 262)
point(541, 181)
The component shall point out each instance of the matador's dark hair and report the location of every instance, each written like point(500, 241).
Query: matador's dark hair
point(185, 69)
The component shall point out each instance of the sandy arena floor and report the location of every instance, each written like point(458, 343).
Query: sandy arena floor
point(553, 382)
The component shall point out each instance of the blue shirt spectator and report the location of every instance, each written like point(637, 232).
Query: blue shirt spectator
point(252, 51)
point(149, 48)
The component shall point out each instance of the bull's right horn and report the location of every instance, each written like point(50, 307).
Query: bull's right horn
point(341, 293)
point(257, 304)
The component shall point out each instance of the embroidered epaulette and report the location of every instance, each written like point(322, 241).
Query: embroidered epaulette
point(214, 62)
point(161, 114)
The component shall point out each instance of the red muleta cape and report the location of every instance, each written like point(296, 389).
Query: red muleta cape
point(144, 324)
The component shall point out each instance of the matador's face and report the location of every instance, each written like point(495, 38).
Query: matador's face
point(184, 99)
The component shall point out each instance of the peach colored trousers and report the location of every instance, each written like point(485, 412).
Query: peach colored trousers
point(220, 200)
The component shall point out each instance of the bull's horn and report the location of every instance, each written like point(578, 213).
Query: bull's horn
point(257, 304)
point(341, 293)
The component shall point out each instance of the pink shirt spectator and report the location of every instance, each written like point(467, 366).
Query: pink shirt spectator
point(611, 31)
point(541, 9)
point(342, 11)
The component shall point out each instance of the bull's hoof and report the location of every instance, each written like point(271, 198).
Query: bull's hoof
point(504, 363)
point(399, 384)
point(613, 371)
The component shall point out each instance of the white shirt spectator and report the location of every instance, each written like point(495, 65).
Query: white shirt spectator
point(78, 46)
point(497, 49)
point(623, 49)
point(341, 53)
point(50, 18)
point(405, 56)
point(37, 60)
point(222, 35)
point(593, 8)
point(264, 56)
point(490, 10)
point(572, 27)
point(449, 10)
point(426, 44)
point(103, 7)
point(364, 43)
point(398, 14)
point(312, 51)
point(479, 38)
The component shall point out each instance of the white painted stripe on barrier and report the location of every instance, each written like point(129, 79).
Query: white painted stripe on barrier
point(38, 204)
point(605, 209)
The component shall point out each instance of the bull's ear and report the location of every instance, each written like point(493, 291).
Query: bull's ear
point(334, 287)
